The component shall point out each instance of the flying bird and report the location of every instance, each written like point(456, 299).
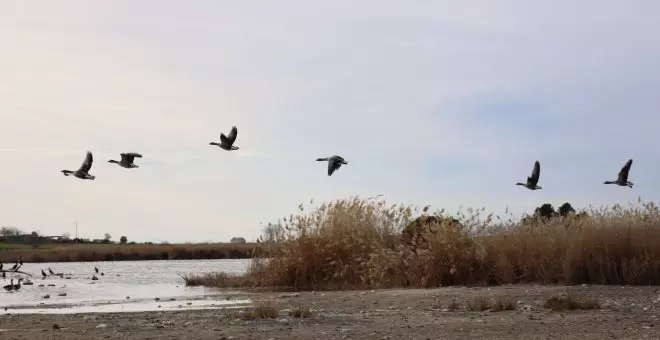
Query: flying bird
point(83, 172)
point(127, 160)
point(334, 163)
point(622, 179)
point(227, 142)
point(533, 179)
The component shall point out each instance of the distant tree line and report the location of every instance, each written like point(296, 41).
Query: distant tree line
point(15, 235)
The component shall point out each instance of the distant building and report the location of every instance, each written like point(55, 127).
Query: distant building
point(237, 240)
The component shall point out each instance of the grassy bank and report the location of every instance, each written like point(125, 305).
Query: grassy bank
point(360, 244)
point(125, 252)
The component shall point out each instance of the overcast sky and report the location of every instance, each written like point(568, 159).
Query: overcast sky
point(445, 103)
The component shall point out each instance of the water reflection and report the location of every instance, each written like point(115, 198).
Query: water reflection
point(124, 285)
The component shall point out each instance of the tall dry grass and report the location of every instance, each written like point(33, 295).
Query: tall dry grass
point(358, 243)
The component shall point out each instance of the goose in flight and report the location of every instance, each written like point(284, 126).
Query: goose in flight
point(533, 179)
point(227, 142)
point(127, 160)
point(622, 179)
point(83, 172)
point(334, 163)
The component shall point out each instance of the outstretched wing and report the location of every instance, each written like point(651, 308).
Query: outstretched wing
point(229, 139)
point(129, 157)
point(87, 163)
point(332, 166)
point(232, 135)
point(536, 173)
point(623, 174)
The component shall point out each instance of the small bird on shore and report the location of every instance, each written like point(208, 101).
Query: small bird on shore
point(127, 160)
point(227, 142)
point(96, 269)
point(334, 163)
point(18, 286)
point(83, 171)
point(622, 179)
point(533, 179)
point(10, 286)
point(51, 271)
point(43, 273)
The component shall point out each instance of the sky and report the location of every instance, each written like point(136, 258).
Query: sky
point(446, 103)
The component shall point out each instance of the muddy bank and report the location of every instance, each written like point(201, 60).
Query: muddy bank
point(626, 312)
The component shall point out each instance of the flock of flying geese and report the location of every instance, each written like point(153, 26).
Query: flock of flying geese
point(622, 178)
point(334, 163)
point(226, 143)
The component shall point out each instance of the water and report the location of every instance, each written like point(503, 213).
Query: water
point(124, 286)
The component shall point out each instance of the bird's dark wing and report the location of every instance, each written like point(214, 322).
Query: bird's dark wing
point(536, 173)
point(332, 166)
point(130, 156)
point(87, 163)
point(623, 174)
point(232, 135)
point(223, 139)
point(339, 159)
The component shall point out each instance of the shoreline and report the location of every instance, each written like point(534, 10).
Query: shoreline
point(625, 312)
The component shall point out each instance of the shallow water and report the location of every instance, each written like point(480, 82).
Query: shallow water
point(124, 286)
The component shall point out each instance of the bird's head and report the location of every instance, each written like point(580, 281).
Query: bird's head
point(112, 161)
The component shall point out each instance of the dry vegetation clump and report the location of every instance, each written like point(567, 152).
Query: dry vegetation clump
point(363, 243)
point(504, 303)
point(482, 303)
point(300, 312)
point(260, 310)
point(127, 252)
point(479, 304)
point(221, 279)
point(453, 306)
point(570, 302)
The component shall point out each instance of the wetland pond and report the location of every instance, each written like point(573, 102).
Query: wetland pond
point(122, 286)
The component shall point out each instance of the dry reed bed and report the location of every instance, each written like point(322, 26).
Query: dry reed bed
point(357, 243)
point(126, 252)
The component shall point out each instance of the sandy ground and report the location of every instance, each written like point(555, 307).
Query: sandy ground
point(626, 313)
